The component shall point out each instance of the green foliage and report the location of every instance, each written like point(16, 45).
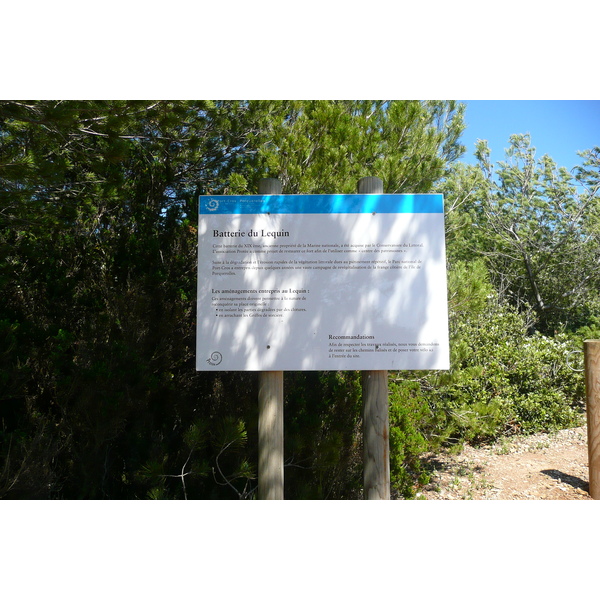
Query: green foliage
point(326, 147)
point(410, 417)
point(503, 380)
point(536, 225)
point(97, 276)
point(322, 435)
point(591, 331)
point(498, 369)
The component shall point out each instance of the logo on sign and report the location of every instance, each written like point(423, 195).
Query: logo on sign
point(215, 359)
point(212, 205)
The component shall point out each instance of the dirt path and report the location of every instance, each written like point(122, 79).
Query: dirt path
point(539, 467)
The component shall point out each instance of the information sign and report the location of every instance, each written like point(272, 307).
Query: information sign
point(322, 282)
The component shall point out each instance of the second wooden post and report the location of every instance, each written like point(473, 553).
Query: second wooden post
point(270, 412)
point(592, 386)
point(376, 445)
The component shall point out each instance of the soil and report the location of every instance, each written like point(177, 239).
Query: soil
point(546, 466)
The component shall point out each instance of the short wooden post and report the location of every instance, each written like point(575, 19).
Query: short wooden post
point(270, 412)
point(376, 445)
point(591, 350)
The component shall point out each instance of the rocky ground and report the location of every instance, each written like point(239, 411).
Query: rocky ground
point(550, 466)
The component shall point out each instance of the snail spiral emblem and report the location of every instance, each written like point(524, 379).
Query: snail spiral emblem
point(212, 205)
point(215, 359)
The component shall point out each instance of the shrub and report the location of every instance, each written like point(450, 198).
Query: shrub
point(502, 380)
point(409, 416)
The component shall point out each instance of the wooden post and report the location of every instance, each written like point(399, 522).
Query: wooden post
point(376, 444)
point(591, 349)
point(270, 412)
point(270, 435)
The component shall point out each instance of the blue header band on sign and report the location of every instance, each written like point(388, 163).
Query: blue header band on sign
point(322, 204)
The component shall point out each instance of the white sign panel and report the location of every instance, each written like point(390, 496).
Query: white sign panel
point(322, 282)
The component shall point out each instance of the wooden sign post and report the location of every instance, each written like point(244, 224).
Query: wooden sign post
point(591, 350)
point(376, 446)
point(270, 412)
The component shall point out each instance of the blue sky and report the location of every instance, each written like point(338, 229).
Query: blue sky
point(558, 128)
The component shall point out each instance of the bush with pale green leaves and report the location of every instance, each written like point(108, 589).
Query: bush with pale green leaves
point(503, 380)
